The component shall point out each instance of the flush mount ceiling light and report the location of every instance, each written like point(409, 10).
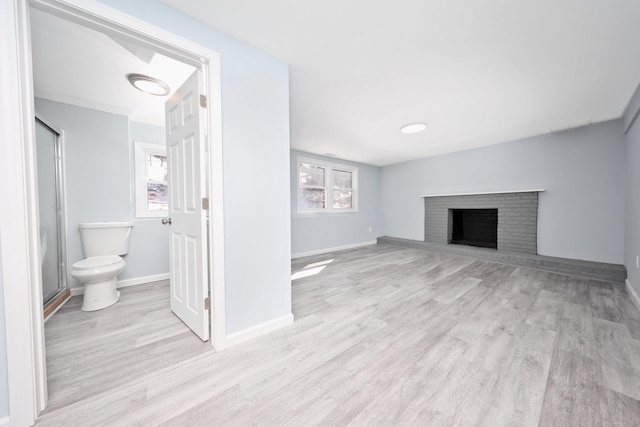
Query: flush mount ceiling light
point(413, 127)
point(149, 85)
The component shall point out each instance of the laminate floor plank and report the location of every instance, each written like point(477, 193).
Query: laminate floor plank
point(545, 310)
point(619, 355)
point(603, 302)
point(575, 330)
point(572, 289)
point(454, 289)
point(383, 336)
point(630, 314)
point(524, 292)
point(571, 396)
point(618, 409)
point(518, 394)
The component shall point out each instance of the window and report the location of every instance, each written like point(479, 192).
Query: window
point(151, 180)
point(326, 187)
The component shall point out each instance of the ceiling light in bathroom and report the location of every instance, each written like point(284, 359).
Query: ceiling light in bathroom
point(413, 127)
point(149, 85)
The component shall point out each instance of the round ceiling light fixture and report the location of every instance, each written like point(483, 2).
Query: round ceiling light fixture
point(413, 127)
point(149, 85)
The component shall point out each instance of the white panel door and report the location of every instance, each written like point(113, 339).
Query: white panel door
point(188, 220)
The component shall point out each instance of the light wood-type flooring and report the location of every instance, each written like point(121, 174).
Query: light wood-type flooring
point(383, 336)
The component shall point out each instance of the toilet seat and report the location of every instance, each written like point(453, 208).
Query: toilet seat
point(97, 262)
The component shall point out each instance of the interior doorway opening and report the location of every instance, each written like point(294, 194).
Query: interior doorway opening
point(25, 354)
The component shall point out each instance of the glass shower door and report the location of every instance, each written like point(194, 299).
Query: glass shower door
point(50, 198)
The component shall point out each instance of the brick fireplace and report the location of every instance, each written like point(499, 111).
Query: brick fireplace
point(517, 220)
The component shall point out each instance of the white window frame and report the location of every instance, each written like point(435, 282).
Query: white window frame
point(329, 168)
point(142, 150)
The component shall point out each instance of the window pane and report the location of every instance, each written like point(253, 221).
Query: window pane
point(312, 198)
point(312, 175)
point(342, 179)
point(157, 170)
point(157, 197)
point(342, 199)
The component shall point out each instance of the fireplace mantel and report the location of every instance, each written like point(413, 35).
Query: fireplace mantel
point(539, 190)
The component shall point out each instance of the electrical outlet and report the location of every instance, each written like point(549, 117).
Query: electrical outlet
point(371, 229)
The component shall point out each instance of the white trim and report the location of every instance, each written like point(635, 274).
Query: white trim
point(101, 17)
point(539, 190)
point(258, 330)
point(143, 280)
point(215, 186)
point(334, 249)
point(6, 421)
point(19, 237)
point(632, 293)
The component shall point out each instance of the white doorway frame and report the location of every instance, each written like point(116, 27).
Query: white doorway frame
point(21, 277)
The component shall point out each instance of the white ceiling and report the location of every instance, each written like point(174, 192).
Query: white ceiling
point(79, 66)
point(478, 72)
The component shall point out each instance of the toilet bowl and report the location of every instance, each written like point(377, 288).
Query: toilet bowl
point(102, 245)
point(98, 274)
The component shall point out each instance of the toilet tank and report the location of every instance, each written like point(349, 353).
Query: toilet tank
point(105, 238)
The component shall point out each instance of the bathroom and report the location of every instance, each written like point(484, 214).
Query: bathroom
point(103, 119)
point(100, 186)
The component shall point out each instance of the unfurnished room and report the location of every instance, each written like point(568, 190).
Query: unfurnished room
point(410, 213)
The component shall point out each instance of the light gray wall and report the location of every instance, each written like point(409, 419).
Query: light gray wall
point(149, 253)
point(632, 217)
point(255, 125)
point(581, 214)
point(316, 232)
point(4, 379)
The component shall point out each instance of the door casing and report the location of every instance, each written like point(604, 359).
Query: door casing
point(19, 257)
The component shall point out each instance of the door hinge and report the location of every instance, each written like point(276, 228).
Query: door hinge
point(207, 303)
point(203, 101)
point(205, 203)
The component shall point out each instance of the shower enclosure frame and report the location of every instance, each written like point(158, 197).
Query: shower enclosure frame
point(58, 299)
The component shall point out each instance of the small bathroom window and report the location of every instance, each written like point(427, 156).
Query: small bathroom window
point(151, 180)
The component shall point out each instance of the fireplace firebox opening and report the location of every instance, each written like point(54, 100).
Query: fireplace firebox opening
point(474, 227)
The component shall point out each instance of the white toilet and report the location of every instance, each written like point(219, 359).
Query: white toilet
point(102, 244)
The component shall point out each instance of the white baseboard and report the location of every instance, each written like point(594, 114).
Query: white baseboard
point(5, 422)
point(632, 293)
point(258, 330)
point(142, 280)
point(334, 249)
point(127, 282)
